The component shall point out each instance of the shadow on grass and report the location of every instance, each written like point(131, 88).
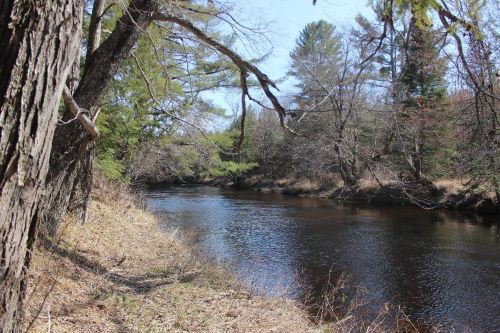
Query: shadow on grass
point(139, 283)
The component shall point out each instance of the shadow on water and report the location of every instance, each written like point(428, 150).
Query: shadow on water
point(442, 267)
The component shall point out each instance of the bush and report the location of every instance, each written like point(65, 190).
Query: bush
point(235, 170)
point(111, 167)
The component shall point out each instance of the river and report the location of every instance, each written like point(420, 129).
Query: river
point(442, 267)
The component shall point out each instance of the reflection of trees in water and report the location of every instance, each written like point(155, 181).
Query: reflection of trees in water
point(432, 262)
point(400, 255)
point(257, 234)
point(338, 241)
point(410, 257)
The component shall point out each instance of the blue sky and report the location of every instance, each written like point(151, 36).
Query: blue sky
point(286, 19)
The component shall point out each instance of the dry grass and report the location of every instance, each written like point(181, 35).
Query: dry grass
point(452, 186)
point(305, 185)
point(121, 273)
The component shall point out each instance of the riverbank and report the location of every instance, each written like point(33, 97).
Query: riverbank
point(122, 272)
point(450, 195)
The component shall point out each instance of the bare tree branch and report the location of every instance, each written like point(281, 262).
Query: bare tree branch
point(79, 113)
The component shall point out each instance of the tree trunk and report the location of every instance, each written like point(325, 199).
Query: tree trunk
point(347, 170)
point(95, 27)
point(70, 176)
point(39, 42)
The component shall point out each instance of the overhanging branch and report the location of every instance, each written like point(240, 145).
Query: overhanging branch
point(243, 65)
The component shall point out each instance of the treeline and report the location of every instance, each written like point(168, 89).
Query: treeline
point(391, 102)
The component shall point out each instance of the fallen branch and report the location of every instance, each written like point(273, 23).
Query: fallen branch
point(79, 113)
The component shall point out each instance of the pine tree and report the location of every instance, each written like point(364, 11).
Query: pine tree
point(423, 73)
point(315, 60)
point(328, 93)
point(423, 123)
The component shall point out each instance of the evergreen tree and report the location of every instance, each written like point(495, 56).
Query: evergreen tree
point(315, 60)
point(423, 73)
point(329, 92)
point(423, 123)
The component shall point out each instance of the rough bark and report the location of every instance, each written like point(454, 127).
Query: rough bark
point(39, 42)
point(347, 166)
point(70, 176)
point(95, 27)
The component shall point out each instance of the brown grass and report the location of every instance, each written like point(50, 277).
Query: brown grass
point(122, 273)
point(452, 186)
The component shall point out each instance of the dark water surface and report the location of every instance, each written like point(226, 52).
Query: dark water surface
point(442, 267)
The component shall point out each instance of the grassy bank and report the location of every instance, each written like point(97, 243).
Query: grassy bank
point(122, 273)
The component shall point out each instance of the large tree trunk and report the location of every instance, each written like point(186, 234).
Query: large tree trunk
point(70, 176)
point(39, 41)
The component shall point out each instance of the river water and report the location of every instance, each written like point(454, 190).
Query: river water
point(441, 267)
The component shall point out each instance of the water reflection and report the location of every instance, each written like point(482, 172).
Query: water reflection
point(442, 267)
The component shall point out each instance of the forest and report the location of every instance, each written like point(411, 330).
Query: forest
point(399, 103)
point(406, 100)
